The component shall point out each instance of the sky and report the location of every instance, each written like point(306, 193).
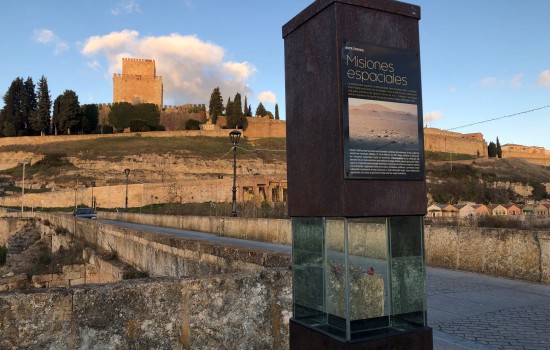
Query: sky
point(480, 60)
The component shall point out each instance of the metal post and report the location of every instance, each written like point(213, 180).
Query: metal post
point(234, 135)
point(23, 187)
point(93, 185)
point(127, 172)
point(75, 207)
point(234, 209)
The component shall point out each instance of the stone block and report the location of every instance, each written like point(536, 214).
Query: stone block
point(77, 281)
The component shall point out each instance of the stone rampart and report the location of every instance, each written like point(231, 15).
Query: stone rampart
point(437, 140)
point(259, 127)
point(532, 154)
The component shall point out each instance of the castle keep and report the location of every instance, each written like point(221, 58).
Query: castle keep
point(138, 82)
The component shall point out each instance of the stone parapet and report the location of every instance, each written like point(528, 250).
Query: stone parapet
point(246, 309)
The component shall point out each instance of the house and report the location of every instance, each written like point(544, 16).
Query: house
point(512, 209)
point(528, 209)
point(434, 211)
point(481, 209)
point(497, 210)
point(466, 210)
point(448, 210)
point(541, 210)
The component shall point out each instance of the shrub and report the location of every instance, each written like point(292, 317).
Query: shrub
point(107, 129)
point(192, 124)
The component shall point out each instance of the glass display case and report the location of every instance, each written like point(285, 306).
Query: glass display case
point(356, 278)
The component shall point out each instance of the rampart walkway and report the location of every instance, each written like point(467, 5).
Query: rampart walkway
point(465, 310)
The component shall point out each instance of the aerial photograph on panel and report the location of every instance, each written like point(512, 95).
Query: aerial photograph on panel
point(380, 125)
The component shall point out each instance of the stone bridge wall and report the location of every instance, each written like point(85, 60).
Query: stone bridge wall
point(234, 311)
point(227, 298)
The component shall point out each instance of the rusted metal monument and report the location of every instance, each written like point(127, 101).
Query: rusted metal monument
point(356, 178)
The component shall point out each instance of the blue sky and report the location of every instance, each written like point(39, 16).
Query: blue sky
point(480, 59)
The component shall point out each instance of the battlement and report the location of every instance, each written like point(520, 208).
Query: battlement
point(438, 140)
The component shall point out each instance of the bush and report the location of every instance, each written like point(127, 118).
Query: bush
point(192, 124)
point(138, 125)
point(107, 129)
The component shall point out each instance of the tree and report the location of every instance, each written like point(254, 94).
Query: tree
point(215, 106)
point(492, 150)
point(261, 111)
point(235, 117)
point(11, 117)
point(276, 111)
point(67, 116)
point(499, 149)
point(40, 120)
point(245, 106)
point(28, 106)
point(90, 118)
point(123, 113)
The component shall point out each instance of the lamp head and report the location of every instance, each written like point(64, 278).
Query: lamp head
point(235, 135)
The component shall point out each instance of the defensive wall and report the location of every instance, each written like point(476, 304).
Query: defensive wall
point(437, 140)
point(532, 154)
point(259, 127)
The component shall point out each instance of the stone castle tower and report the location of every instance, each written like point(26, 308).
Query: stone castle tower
point(138, 82)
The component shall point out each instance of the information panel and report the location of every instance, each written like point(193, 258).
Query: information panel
point(383, 136)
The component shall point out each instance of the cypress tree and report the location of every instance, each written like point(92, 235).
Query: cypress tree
point(492, 150)
point(276, 111)
point(499, 149)
point(40, 120)
point(69, 112)
point(216, 105)
point(28, 105)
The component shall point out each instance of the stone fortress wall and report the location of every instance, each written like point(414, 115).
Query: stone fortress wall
point(532, 154)
point(138, 82)
point(437, 140)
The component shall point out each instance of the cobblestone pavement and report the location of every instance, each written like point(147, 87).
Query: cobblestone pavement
point(473, 311)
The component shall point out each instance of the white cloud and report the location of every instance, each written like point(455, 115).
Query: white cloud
point(46, 37)
point(453, 90)
point(267, 97)
point(125, 8)
point(517, 81)
point(94, 65)
point(544, 78)
point(488, 81)
point(434, 115)
point(190, 68)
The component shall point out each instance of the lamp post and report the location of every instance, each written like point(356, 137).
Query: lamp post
point(127, 172)
point(93, 185)
point(235, 135)
point(23, 186)
point(75, 199)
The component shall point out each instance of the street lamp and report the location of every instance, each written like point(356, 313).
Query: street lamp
point(75, 199)
point(235, 135)
point(93, 185)
point(127, 172)
point(23, 186)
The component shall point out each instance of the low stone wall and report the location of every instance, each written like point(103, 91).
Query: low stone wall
point(507, 253)
point(163, 255)
point(254, 229)
point(235, 311)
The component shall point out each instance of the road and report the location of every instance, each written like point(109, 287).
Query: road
point(465, 310)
